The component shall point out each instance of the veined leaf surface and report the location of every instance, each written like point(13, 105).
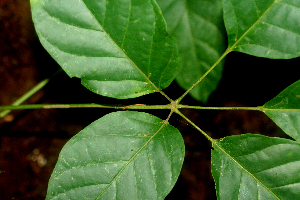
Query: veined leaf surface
point(256, 167)
point(263, 28)
point(199, 30)
point(284, 110)
point(123, 155)
point(119, 48)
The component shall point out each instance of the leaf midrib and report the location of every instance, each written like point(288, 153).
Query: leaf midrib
point(252, 26)
point(133, 157)
point(245, 170)
point(146, 77)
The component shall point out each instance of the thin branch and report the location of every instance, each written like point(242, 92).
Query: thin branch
point(206, 73)
point(229, 49)
point(259, 108)
point(194, 125)
point(133, 107)
point(55, 106)
point(27, 95)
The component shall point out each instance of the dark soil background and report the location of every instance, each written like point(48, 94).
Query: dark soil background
point(30, 140)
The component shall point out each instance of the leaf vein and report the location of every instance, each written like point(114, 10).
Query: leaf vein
point(150, 52)
point(191, 32)
point(243, 168)
point(74, 54)
point(135, 178)
point(260, 46)
point(71, 25)
point(207, 21)
point(287, 185)
point(164, 70)
point(287, 163)
point(87, 165)
point(256, 8)
point(104, 15)
point(127, 25)
point(132, 158)
point(176, 24)
point(288, 121)
point(65, 191)
point(252, 26)
point(289, 4)
point(267, 23)
point(134, 64)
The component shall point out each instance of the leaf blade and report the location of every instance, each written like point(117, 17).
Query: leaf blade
point(284, 110)
point(199, 30)
point(104, 43)
point(256, 167)
point(122, 155)
point(263, 28)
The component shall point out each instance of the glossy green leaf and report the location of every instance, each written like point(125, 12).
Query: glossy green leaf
point(256, 167)
point(284, 110)
point(119, 48)
point(123, 155)
point(264, 28)
point(199, 30)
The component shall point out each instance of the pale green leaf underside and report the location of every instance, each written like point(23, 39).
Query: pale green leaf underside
point(119, 48)
point(284, 110)
point(199, 30)
point(256, 167)
point(123, 155)
point(264, 28)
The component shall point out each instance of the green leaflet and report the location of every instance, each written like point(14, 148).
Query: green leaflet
point(284, 110)
point(123, 155)
point(264, 28)
point(256, 167)
point(199, 30)
point(119, 48)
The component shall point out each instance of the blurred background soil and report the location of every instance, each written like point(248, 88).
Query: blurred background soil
point(30, 140)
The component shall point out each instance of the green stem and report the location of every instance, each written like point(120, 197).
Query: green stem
point(229, 49)
point(206, 73)
point(40, 85)
point(134, 107)
point(259, 108)
point(54, 106)
point(194, 125)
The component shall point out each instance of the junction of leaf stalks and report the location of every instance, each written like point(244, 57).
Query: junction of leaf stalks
point(174, 105)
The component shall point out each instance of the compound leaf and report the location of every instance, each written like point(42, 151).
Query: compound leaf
point(264, 28)
point(256, 167)
point(119, 48)
point(284, 110)
point(199, 30)
point(123, 155)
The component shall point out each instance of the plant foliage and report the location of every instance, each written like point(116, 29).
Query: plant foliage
point(284, 110)
point(123, 45)
point(123, 155)
point(199, 30)
point(121, 49)
point(256, 167)
point(264, 28)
